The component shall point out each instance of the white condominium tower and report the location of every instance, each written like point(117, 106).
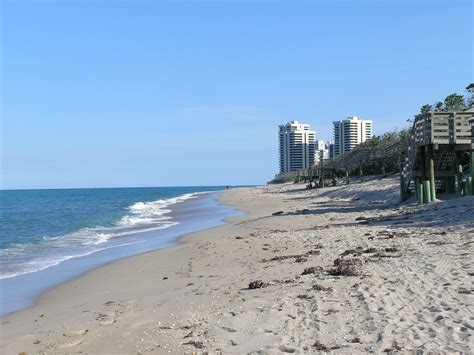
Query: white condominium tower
point(322, 151)
point(350, 132)
point(296, 146)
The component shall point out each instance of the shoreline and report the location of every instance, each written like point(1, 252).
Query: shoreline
point(182, 240)
point(266, 282)
point(137, 243)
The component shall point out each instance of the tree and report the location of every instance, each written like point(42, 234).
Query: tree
point(439, 107)
point(426, 109)
point(470, 99)
point(454, 102)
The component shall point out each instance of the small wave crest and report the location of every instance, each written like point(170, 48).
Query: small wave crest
point(25, 258)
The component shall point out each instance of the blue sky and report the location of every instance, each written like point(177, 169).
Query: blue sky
point(159, 93)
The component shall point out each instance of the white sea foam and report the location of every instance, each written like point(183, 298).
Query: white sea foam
point(41, 264)
point(52, 250)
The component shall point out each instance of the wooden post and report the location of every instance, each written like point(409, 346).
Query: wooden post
point(459, 173)
point(321, 177)
point(347, 177)
point(471, 163)
point(420, 192)
point(431, 172)
point(426, 191)
point(417, 193)
point(402, 186)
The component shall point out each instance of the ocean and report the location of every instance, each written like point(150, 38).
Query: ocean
point(50, 236)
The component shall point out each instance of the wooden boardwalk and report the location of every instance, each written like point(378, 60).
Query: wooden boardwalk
point(438, 156)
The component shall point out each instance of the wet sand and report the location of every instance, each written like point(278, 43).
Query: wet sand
point(343, 269)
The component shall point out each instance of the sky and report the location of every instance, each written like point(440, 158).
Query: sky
point(170, 93)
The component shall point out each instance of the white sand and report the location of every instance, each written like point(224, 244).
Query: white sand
point(418, 294)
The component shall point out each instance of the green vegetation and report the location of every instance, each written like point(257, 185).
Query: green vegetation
point(283, 178)
point(452, 102)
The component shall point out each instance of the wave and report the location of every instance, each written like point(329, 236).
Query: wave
point(23, 258)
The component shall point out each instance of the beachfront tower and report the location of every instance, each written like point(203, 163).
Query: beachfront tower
point(350, 132)
point(297, 146)
point(322, 151)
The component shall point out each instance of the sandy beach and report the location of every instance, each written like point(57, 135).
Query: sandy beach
point(342, 269)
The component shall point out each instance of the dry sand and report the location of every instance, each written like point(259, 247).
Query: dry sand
point(379, 277)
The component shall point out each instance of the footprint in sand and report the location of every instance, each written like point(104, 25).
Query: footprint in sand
point(81, 331)
point(71, 340)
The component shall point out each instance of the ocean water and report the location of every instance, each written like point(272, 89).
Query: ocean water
point(49, 236)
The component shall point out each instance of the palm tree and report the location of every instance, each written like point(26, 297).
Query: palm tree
point(439, 107)
point(454, 102)
point(426, 109)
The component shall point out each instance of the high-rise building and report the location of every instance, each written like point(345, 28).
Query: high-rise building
point(296, 146)
point(331, 149)
point(350, 132)
point(322, 151)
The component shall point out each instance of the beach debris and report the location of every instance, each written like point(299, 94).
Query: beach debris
point(233, 343)
point(395, 347)
point(318, 287)
point(301, 259)
point(355, 340)
point(392, 234)
point(257, 284)
point(284, 281)
point(230, 330)
point(37, 342)
point(346, 267)
point(369, 250)
point(190, 334)
point(277, 213)
point(305, 297)
point(313, 270)
point(108, 303)
point(320, 346)
point(356, 251)
point(286, 349)
point(165, 278)
point(439, 242)
point(195, 343)
point(464, 291)
point(386, 253)
point(296, 256)
point(239, 237)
